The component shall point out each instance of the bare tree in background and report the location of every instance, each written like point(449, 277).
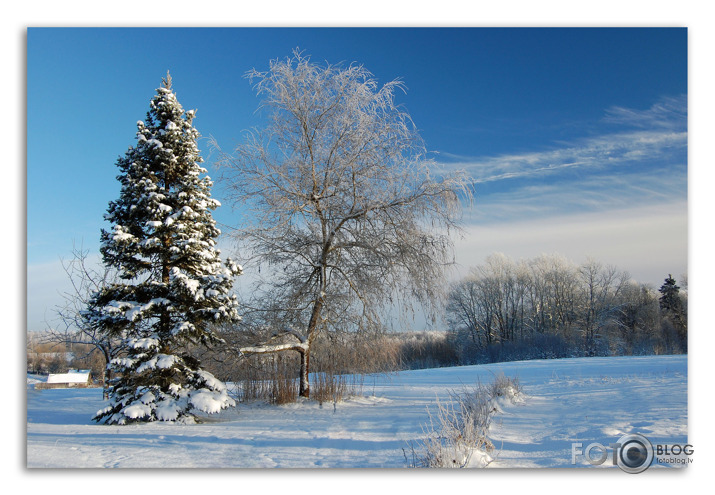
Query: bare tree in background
point(72, 326)
point(602, 289)
point(345, 217)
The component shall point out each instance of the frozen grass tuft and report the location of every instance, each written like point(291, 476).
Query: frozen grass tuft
point(506, 387)
point(458, 430)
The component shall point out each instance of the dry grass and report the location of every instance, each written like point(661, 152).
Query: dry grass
point(268, 378)
point(328, 387)
point(460, 427)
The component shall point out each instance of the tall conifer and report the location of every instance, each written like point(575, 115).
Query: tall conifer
point(173, 284)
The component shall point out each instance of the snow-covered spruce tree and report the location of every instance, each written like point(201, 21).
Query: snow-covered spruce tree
point(172, 283)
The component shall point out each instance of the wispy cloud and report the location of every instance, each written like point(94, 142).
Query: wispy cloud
point(652, 134)
point(609, 150)
point(597, 192)
point(610, 195)
point(668, 113)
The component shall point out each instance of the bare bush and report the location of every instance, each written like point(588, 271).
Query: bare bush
point(419, 350)
point(504, 386)
point(329, 387)
point(460, 427)
point(267, 378)
point(340, 363)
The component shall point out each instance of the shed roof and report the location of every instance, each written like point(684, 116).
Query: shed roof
point(72, 376)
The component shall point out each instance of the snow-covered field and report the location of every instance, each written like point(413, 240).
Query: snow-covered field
point(572, 400)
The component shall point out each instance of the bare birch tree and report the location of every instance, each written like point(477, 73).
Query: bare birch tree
point(345, 216)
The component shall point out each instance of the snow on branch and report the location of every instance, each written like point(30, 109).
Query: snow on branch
point(266, 349)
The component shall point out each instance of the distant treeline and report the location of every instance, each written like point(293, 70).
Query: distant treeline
point(504, 310)
point(543, 308)
point(550, 307)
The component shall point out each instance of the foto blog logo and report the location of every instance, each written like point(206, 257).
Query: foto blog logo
point(632, 453)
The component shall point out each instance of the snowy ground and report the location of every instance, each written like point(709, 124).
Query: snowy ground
point(572, 400)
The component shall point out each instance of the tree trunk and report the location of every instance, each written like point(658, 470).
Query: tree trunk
point(106, 375)
point(301, 347)
point(105, 379)
point(304, 388)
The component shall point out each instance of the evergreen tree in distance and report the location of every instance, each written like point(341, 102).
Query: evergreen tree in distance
point(674, 309)
point(173, 284)
point(670, 296)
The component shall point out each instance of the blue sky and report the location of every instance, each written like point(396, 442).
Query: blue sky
point(576, 138)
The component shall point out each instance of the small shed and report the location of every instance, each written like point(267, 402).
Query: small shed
point(73, 378)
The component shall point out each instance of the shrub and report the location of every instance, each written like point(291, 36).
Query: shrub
point(460, 427)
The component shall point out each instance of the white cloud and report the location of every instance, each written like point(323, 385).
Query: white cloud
point(650, 134)
point(668, 112)
point(649, 242)
point(592, 193)
point(619, 197)
point(595, 152)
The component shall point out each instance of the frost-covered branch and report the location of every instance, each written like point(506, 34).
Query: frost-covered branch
point(345, 211)
point(270, 348)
